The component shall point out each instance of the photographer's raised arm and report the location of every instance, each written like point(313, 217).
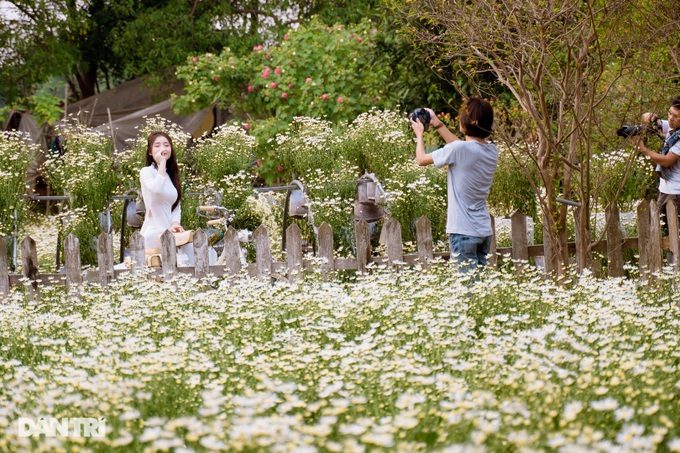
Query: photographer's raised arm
point(422, 158)
point(440, 127)
point(665, 160)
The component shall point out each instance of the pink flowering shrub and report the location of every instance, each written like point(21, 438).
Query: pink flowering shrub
point(311, 64)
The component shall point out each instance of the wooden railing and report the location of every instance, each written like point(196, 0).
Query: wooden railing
point(649, 243)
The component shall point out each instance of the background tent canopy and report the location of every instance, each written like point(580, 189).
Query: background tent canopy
point(125, 106)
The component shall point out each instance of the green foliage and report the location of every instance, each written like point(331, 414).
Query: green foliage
point(610, 170)
point(224, 161)
point(378, 140)
point(307, 146)
point(45, 107)
point(329, 162)
point(227, 151)
point(84, 173)
point(414, 192)
point(316, 71)
point(511, 189)
point(16, 154)
point(332, 194)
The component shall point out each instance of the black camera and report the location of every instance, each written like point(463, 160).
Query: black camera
point(421, 114)
point(639, 129)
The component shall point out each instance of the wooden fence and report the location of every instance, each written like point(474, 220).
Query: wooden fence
point(649, 243)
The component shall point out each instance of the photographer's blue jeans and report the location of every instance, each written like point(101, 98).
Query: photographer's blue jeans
point(470, 252)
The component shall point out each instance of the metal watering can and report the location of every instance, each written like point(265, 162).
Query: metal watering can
point(370, 199)
point(298, 203)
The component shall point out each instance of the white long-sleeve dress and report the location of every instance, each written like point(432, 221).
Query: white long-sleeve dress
point(159, 194)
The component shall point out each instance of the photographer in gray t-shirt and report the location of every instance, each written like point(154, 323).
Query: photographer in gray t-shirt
point(471, 166)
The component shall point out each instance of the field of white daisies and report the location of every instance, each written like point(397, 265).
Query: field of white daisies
point(410, 360)
point(415, 360)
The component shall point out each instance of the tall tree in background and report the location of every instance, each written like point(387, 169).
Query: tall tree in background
point(102, 41)
point(562, 61)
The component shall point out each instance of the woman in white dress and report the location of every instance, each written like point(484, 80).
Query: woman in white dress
point(162, 194)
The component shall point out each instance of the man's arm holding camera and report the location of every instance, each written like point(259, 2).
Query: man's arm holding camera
point(665, 160)
point(440, 127)
point(652, 119)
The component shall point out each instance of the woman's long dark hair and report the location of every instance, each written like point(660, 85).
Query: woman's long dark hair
point(170, 166)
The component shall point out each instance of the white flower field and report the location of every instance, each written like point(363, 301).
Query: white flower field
point(407, 361)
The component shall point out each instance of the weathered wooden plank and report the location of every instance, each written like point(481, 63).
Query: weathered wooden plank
point(363, 244)
point(424, 240)
point(614, 241)
point(74, 277)
point(168, 254)
point(673, 237)
point(201, 256)
point(584, 256)
point(137, 255)
point(29, 265)
point(105, 258)
point(345, 264)
point(600, 246)
point(263, 254)
point(294, 252)
point(643, 235)
point(391, 238)
point(395, 249)
point(231, 253)
point(655, 254)
point(518, 237)
point(326, 250)
point(493, 258)
point(549, 250)
point(4, 268)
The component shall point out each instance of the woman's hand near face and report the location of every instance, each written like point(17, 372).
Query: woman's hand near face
point(161, 150)
point(158, 157)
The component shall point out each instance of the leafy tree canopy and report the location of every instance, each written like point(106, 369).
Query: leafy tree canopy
point(103, 42)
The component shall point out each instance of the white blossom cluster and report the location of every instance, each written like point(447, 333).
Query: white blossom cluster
point(16, 155)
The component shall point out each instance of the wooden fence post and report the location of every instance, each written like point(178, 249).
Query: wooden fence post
point(395, 249)
point(584, 257)
point(549, 253)
point(326, 247)
point(518, 236)
point(231, 253)
point(294, 252)
point(201, 257)
point(655, 251)
point(29, 265)
point(673, 237)
point(168, 254)
point(614, 241)
point(263, 252)
point(105, 258)
point(643, 223)
point(363, 244)
point(74, 277)
point(137, 255)
point(4, 269)
point(493, 258)
point(424, 240)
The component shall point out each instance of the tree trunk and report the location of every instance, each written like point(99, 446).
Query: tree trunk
point(87, 82)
